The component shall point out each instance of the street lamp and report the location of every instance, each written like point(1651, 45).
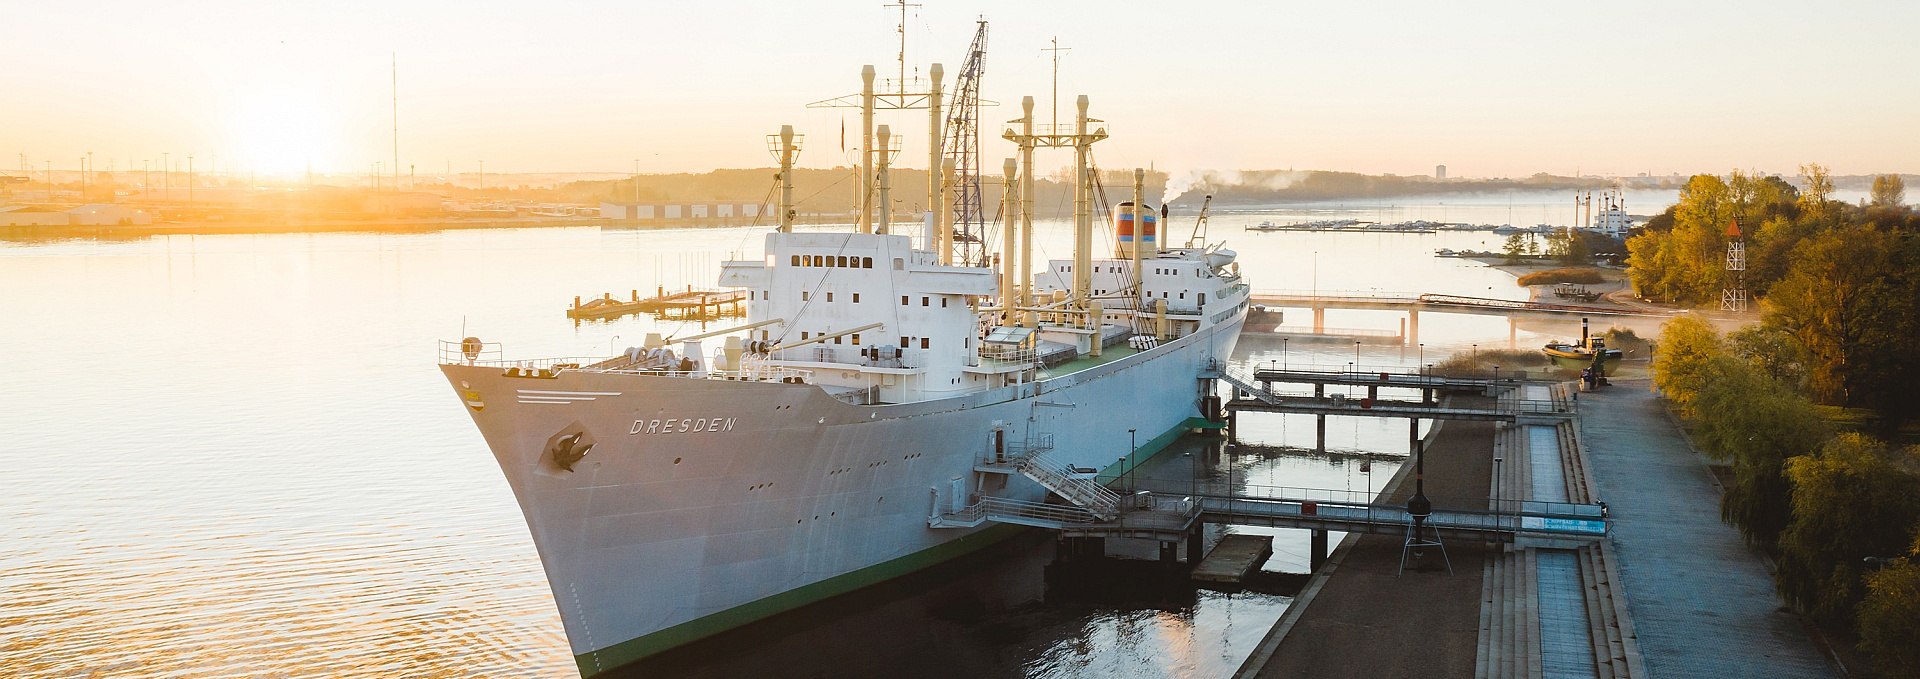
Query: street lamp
point(1283, 351)
point(1496, 486)
point(1131, 448)
point(1356, 355)
point(1423, 353)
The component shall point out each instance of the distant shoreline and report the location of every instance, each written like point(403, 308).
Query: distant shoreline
point(426, 225)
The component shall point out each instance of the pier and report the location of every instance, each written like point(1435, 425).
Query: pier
point(689, 304)
point(1507, 570)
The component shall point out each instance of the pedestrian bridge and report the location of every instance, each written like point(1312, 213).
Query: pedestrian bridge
point(1170, 516)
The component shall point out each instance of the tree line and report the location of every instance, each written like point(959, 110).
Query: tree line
point(1839, 284)
point(1838, 510)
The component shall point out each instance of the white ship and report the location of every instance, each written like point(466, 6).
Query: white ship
point(883, 408)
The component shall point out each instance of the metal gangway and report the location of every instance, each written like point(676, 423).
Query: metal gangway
point(1256, 393)
point(1172, 515)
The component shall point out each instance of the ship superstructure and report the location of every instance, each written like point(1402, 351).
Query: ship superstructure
point(878, 396)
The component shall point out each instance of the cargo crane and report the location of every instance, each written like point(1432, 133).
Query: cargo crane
point(963, 148)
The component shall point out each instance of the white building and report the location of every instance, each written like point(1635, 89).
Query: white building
point(103, 214)
point(699, 210)
point(28, 215)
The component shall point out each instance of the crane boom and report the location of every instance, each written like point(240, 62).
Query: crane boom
point(963, 148)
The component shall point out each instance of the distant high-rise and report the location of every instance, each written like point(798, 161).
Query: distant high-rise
point(1439, 172)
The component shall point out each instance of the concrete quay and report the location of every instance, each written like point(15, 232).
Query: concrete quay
point(1671, 592)
point(1703, 602)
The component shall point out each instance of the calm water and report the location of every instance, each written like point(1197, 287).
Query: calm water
point(231, 455)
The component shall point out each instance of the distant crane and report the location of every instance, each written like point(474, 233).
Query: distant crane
point(963, 148)
point(1199, 224)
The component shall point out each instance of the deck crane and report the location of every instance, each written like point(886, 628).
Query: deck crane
point(963, 148)
point(1200, 224)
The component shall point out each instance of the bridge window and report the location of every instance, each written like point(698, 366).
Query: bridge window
point(923, 343)
point(803, 295)
point(903, 341)
point(829, 296)
point(903, 300)
point(796, 260)
point(856, 338)
point(899, 264)
point(842, 261)
point(836, 340)
point(856, 298)
point(943, 301)
point(866, 262)
point(925, 301)
point(803, 334)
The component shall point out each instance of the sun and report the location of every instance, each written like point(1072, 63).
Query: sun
point(281, 132)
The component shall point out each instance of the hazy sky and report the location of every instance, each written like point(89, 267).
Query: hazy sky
point(1487, 88)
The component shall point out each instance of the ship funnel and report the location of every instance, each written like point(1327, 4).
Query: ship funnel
point(1125, 235)
point(1583, 332)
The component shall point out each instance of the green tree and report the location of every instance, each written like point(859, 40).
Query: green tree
point(1516, 246)
point(1890, 615)
point(1773, 352)
point(1819, 186)
point(1852, 500)
point(1757, 424)
point(1680, 362)
point(1852, 301)
point(1889, 190)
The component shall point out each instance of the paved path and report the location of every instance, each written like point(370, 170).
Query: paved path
point(1367, 623)
point(1703, 604)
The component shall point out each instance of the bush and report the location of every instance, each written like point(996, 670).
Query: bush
point(1483, 361)
point(1852, 500)
point(1563, 275)
point(1889, 626)
point(1625, 339)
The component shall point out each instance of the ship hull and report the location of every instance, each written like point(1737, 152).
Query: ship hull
point(702, 505)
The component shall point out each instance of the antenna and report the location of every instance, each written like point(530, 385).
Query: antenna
point(1056, 49)
point(395, 57)
point(901, 84)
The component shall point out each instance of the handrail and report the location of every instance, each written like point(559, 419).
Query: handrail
point(490, 355)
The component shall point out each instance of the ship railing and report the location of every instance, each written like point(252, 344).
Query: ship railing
point(1023, 355)
point(1009, 510)
point(1033, 445)
point(490, 355)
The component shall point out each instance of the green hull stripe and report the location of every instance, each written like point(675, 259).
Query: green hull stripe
point(631, 650)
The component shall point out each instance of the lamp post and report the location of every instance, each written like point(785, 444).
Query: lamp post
point(1496, 486)
point(610, 344)
point(1283, 351)
point(1131, 448)
point(1356, 355)
point(1423, 355)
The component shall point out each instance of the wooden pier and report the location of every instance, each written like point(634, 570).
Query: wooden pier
point(690, 304)
point(1234, 558)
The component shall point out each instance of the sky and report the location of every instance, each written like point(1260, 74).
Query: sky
point(1489, 89)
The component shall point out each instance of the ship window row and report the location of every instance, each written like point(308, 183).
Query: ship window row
point(907, 300)
point(907, 342)
point(835, 261)
point(807, 295)
point(855, 337)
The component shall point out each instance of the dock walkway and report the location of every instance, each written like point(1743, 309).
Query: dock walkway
point(1703, 603)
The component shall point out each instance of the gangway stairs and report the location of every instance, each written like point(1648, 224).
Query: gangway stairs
point(1091, 502)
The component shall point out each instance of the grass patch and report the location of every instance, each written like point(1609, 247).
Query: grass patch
point(1509, 360)
point(1582, 275)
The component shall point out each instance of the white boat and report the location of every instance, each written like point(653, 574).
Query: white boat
point(884, 407)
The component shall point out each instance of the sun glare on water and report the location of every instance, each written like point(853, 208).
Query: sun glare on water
point(282, 132)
